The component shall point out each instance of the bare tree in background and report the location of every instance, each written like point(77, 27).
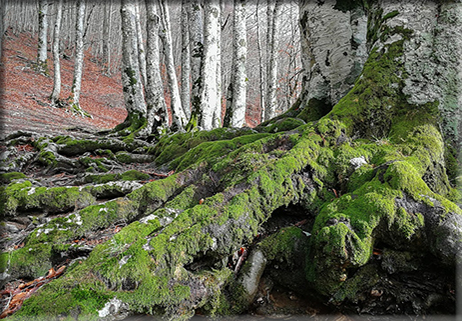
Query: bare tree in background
point(155, 101)
point(185, 59)
point(235, 113)
point(131, 77)
point(141, 51)
point(56, 55)
point(196, 35)
point(74, 98)
point(42, 65)
point(210, 102)
point(273, 44)
point(178, 117)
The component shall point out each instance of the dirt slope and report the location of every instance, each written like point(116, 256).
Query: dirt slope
point(24, 96)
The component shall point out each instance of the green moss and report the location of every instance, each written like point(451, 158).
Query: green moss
point(47, 158)
point(315, 109)
point(284, 124)
point(20, 197)
point(282, 245)
point(6, 178)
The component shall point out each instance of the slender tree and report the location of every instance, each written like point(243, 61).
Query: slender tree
point(196, 35)
point(42, 64)
point(107, 24)
point(74, 98)
point(155, 101)
point(261, 65)
point(235, 114)
point(210, 102)
point(141, 51)
point(56, 55)
point(185, 59)
point(274, 25)
point(131, 77)
point(2, 25)
point(178, 117)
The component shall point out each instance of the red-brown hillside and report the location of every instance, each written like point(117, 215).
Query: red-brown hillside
point(25, 93)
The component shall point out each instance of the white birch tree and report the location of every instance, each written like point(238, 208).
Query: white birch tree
point(155, 100)
point(178, 117)
point(235, 114)
point(273, 44)
point(42, 65)
point(56, 55)
point(131, 77)
point(210, 101)
point(74, 98)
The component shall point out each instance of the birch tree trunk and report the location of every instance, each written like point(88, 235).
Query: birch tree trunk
point(56, 55)
point(155, 101)
point(185, 59)
point(274, 22)
point(107, 24)
point(217, 121)
point(42, 65)
point(209, 98)
point(141, 51)
point(235, 116)
point(178, 116)
point(131, 77)
point(74, 99)
point(196, 34)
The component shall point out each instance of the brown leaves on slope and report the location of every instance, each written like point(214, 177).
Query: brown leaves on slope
point(16, 296)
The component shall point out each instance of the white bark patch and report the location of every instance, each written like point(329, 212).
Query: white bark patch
point(124, 260)
point(358, 162)
point(111, 307)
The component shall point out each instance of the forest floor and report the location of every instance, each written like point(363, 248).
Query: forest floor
point(24, 96)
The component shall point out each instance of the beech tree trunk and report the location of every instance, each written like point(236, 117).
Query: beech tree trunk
point(42, 56)
point(178, 116)
point(155, 100)
point(235, 115)
point(273, 44)
point(56, 55)
point(196, 35)
point(141, 51)
point(74, 99)
point(131, 77)
point(210, 101)
point(107, 25)
point(185, 59)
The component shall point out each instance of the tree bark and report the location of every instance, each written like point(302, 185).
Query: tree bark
point(235, 115)
point(155, 101)
point(107, 25)
point(273, 45)
point(42, 56)
point(55, 95)
point(196, 34)
point(185, 59)
point(131, 77)
point(178, 116)
point(141, 51)
point(74, 99)
point(210, 102)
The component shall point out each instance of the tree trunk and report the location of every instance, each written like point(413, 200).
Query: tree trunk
point(178, 116)
point(2, 26)
point(235, 115)
point(185, 59)
point(210, 102)
point(55, 99)
point(131, 77)
point(141, 51)
point(74, 99)
point(42, 64)
point(107, 24)
point(155, 101)
point(261, 67)
point(273, 45)
point(196, 34)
